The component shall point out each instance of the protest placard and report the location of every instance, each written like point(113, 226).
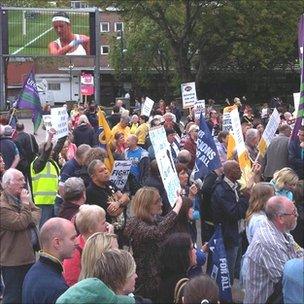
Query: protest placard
point(199, 107)
point(242, 153)
point(227, 125)
point(269, 131)
point(147, 107)
point(165, 162)
point(188, 94)
point(120, 173)
point(60, 119)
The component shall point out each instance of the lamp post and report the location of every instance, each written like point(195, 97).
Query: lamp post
point(122, 52)
point(71, 66)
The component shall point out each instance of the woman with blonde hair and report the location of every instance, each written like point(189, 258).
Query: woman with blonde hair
point(255, 214)
point(285, 182)
point(146, 229)
point(89, 220)
point(84, 132)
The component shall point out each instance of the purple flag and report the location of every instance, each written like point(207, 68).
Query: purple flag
point(300, 113)
point(29, 99)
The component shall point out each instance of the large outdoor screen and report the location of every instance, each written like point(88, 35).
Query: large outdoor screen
point(41, 33)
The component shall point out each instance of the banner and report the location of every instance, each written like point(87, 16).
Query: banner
point(120, 173)
point(188, 94)
point(60, 120)
point(147, 107)
point(227, 125)
point(269, 132)
point(199, 107)
point(207, 158)
point(29, 99)
point(219, 269)
point(165, 162)
point(300, 109)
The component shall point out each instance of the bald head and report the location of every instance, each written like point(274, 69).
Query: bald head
point(276, 205)
point(184, 156)
point(282, 212)
point(53, 228)
point(57, 237)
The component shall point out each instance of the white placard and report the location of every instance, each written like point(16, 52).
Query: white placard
point(237, 131)
point(188, 94)
point(120, 173)
point(60, 119)
point(269, 131)
point(199, 106)
point(147, 107)
point(165, 162)
point(296, 102)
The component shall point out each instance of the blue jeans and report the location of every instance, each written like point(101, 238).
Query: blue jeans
point(47, 212)
point(13, 277)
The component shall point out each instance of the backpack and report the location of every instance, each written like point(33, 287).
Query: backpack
point(178, 291)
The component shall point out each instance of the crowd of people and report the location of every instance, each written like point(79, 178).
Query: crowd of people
point(68, 234)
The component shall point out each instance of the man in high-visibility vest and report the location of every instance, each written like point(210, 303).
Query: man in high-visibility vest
point(44, 174)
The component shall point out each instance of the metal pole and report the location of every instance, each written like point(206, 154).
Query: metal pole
point(97, 81)
point(2, 58)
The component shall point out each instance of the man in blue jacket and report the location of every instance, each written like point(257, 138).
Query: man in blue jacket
point(44, 282)
point(228, 209)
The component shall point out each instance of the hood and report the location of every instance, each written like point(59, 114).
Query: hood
point(92, 291)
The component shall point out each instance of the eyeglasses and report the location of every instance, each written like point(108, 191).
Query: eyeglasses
point(294, 213)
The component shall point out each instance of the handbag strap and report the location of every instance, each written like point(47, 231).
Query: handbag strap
point(178, 289)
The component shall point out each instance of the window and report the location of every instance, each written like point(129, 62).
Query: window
point(104, 49)
point(104, 27)
point(118, 27)
point(54, 86)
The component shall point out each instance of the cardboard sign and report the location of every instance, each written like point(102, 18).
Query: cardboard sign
point(120, 173)
point(269, 131)
point(200, 107)
point(165, 162)
point(188, 94)
point(60, 120)
point(147, 107)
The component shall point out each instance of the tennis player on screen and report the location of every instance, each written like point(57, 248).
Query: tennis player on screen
point(67, 42)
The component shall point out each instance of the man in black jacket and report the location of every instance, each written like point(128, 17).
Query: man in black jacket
point(28, 149)
point(228, 209)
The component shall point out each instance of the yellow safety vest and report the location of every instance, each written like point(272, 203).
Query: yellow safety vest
point(45, 184)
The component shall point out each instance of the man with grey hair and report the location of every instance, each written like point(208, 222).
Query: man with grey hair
point(184, 157)
point(72, 168)
point(272, 246)
point(122, 126)
point(74, 195)
point(252, 138)
point(18, 218)
point(44, 282)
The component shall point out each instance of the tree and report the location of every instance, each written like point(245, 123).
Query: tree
point(244, 36)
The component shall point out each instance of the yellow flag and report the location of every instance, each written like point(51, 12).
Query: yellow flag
point(105, 138)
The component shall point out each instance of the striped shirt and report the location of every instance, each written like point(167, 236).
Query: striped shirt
point(266, 256)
